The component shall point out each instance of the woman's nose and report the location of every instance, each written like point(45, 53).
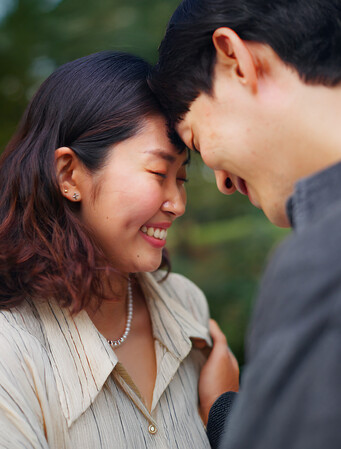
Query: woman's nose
point(175, 203)
point(224, 182)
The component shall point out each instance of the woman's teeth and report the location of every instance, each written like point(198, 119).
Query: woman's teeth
point(157, 233)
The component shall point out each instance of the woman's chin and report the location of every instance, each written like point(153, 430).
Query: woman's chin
point(147, 265)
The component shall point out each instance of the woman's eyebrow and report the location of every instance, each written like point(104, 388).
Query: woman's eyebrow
point(188, 159)
point(162, 154)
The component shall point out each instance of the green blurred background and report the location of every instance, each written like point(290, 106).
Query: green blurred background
point(222, 242)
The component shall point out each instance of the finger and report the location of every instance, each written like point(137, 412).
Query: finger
point(220, 343)
point(234, 361)
point(216, 333)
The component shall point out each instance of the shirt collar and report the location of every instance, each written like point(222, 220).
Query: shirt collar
point(83, 360)
point(173, 325)
point(313, 196)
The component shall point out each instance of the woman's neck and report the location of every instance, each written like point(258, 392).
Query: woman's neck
point(111, 316)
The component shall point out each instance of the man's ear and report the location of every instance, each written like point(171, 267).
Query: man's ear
point(70, 173)
point(233, 55)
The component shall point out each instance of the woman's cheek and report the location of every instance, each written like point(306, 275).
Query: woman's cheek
point(150, 203)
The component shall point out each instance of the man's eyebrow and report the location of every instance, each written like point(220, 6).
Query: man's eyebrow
point(163, 154)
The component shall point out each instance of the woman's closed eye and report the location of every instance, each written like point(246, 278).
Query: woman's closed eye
point(181, 179)
point(182, 175)
point(161, 175)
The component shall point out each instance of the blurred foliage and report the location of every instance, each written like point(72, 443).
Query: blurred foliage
point(222, 242)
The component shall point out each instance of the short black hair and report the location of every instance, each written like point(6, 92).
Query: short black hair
point(305, 34)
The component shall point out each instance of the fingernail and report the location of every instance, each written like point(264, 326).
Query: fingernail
point(228, 183)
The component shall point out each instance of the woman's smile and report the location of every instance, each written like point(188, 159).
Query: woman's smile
point(156, 233)
point(143, 182)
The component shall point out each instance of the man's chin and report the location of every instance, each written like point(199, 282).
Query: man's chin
point(279, 220)
point(277, 216)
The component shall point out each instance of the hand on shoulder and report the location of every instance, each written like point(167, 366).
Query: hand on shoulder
point(219, 374)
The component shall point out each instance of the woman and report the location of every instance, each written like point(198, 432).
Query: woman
point(96, 352)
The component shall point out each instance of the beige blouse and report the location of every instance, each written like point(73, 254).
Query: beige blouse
point(62, 386)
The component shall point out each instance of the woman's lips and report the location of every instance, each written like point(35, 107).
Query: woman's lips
point(155, 233)
point(155, 242)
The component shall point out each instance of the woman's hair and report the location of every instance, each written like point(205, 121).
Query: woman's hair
point(88, 105)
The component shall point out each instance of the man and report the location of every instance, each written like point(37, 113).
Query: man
point(255, 87)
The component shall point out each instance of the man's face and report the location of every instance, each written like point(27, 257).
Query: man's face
point(241, 136)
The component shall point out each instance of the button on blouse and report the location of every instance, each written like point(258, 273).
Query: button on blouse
point(63, 387)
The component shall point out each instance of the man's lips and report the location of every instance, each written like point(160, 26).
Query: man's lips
point(241, 186)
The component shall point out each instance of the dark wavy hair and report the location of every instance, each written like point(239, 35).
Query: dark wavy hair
point(306, 35)
point(88, 105)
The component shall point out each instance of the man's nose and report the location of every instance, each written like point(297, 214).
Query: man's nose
point(224, 182)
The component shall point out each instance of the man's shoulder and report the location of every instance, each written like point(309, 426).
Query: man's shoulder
point(312, 248)
point(302, 281)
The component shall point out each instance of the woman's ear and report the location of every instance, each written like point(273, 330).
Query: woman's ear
point(234, 57)
point(70, 173)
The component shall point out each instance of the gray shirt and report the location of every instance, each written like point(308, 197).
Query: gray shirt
point(291, 389)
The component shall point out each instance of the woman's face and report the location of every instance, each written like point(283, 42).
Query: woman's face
point(134, 199)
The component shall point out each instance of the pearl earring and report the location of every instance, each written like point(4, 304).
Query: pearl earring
point(65, 190)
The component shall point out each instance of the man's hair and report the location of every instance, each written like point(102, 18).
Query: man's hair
point(305, 34)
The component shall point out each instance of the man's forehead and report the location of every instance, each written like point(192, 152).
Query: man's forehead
point(188, 127)
point(183, 128)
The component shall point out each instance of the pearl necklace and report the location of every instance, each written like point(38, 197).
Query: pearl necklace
point(115, 343)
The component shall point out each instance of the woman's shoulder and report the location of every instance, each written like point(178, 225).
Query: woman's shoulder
point(20, 349)
point(28, 386)
point(184, 291)
point(21, 330)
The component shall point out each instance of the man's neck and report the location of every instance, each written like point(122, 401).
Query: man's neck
point(318, 128)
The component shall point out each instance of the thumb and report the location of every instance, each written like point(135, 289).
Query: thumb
point(217, 334)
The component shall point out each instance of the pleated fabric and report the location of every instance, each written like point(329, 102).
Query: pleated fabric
point(62, 386)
